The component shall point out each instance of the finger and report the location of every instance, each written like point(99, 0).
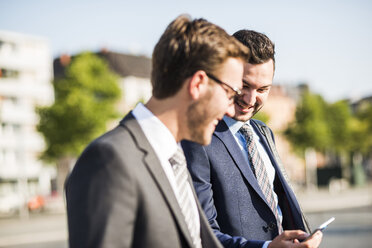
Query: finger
point(294, 234)
point(319, 235)
point(314, 240)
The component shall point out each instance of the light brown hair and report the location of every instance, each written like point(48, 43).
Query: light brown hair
point(187, 46)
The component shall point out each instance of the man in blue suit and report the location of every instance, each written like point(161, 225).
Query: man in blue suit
point(240, 181)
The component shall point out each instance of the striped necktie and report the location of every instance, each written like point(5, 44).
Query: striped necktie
point(184, 196)
point(259, 170)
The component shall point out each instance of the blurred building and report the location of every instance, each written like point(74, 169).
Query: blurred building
point(134, 72)
point(281, 107)
point(25, 83)
point(360, 103)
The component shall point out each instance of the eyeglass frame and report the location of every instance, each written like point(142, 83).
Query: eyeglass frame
point(237, 91)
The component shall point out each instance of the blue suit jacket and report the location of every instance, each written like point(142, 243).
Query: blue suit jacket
point(229, 192)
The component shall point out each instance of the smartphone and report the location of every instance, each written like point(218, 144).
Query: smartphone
point(321, 227)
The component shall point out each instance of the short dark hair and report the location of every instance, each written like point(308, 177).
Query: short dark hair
point(187, 46)
point(262, 48)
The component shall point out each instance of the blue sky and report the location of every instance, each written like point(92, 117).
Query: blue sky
point(324, 43)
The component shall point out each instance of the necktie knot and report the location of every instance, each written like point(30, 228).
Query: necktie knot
point(247, 132)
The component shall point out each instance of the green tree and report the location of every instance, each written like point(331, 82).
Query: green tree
point(361, 130)
point(333, 130)
point(310, 128)
point(84, 102)
point(339, 119)
point(360, 144)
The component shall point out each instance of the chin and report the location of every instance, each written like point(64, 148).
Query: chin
point(206, 137)
point(243, 117)
point(200, 137)
point(206, 141)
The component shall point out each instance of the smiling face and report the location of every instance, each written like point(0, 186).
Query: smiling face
point(257, 81)
point(204, 114)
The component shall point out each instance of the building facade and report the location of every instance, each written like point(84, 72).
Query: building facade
point(25, 83)
point(281, 108)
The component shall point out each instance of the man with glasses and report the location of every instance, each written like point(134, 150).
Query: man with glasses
point(240, 181)
point(130, 187)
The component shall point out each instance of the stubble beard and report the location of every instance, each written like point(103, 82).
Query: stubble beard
point(198, 120)
point(244, 116)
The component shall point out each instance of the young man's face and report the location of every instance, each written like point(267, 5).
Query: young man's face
point(204, 115)
point(257, 81)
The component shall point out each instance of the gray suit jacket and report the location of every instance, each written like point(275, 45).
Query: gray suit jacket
point(119, 196)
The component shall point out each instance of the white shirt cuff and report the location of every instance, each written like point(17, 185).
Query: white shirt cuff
point(266, 244)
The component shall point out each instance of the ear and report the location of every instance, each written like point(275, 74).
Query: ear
point(198, 84)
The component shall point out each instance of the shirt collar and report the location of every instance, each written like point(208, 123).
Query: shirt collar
point(159, 136)
point(234, 125)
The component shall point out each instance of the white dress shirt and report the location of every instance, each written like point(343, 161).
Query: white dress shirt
point(164, 145)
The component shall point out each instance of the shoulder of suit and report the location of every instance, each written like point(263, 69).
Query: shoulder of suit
point(117, 135)
point(264, 129)
point(259, 123)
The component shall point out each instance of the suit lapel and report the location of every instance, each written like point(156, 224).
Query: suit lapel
point(280, 172)
point(156, 170)
point(224, 134)
point(268, 149)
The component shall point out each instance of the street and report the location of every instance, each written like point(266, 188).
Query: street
point(352, 227)
point(38, 231)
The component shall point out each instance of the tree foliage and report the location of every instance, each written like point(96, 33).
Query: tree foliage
point(330, 127)
point(339, 121)
point(361, 130)
point(84, 102)
point(310, 128)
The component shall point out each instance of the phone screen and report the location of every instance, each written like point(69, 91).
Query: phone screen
point(321, 227)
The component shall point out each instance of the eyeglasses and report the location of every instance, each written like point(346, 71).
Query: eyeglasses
point(237, 92)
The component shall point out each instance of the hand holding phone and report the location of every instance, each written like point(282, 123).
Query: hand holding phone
point(321, 227)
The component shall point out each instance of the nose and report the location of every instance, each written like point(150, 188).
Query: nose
point(230, 112)
point(250, 97)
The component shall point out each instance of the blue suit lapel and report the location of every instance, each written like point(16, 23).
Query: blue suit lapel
point(223, 133)
point(287, 189)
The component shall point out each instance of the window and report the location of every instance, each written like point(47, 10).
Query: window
point(6, 73)
point(7, 128)
point(8, 47)
point(16, 128)
point(12, 100)
point(2, 155)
